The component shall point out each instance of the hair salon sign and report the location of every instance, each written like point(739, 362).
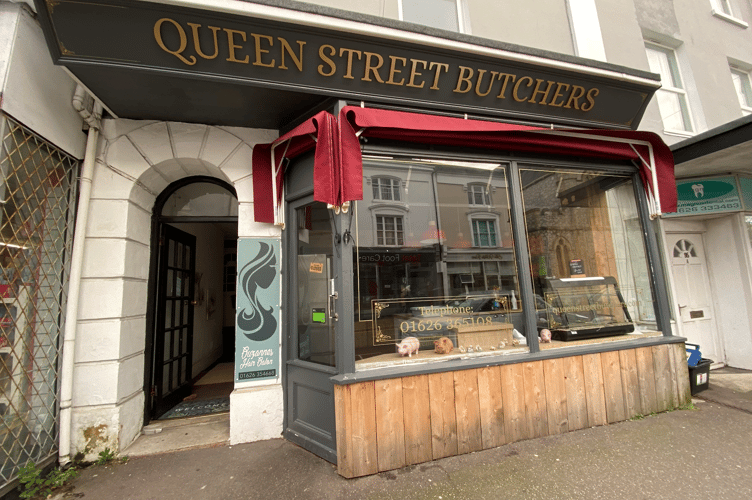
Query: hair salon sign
point(257, 323)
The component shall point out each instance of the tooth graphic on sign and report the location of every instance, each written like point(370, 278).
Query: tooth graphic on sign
point(699, 190)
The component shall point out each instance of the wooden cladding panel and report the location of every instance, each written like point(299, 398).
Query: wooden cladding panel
point(416, 404)
point(491, 407)
point(391, 423)
point(443, 416)
point(468, 411)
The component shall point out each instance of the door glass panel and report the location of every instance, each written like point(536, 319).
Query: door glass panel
point(316, 341)
point(171, 254)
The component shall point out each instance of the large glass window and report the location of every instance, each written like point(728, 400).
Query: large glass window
point(451, 15)
point(440, 279)
point(743, 89)
point(672, 98)
point(588, 259)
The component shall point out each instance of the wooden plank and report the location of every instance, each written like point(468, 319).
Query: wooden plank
point(673, 371)
point(359, 419)
point(443, 416)
point(574, 378)
point(343, 419)
point(535, 399)
point(513, 395)
point(663, 392)
point(417, 407)
point(467, 405)
point(390, 424)
point(612, 388)
point(646, 377)
point(491, 407)
point(682, 374)
point(630, 383)
point(556, 396)
point(594, 392)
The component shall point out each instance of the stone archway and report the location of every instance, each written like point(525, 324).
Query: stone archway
point(136, 161)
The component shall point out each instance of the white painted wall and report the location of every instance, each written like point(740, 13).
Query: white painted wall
point(35, 91)
point(207, 330)
point(136, 161)
point(730, 270)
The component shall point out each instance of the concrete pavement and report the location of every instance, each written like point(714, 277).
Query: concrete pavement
point(688, 454)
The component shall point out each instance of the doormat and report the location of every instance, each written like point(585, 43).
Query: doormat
point(198, 408)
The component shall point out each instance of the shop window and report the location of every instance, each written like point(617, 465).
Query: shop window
point(672, 97)
point(389, 230)
point(37, 198)
point(484, 233)
point(450, 15)
point(386, 189)
point(443, 280)
point(589, 265)
point(477, 195)
point(743, 89)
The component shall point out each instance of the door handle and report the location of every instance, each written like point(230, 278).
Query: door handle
point(330, 303)
point(681, 306)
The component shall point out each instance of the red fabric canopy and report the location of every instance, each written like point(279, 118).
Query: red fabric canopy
point(338, 165)
point(319, 132)
point(654, 157)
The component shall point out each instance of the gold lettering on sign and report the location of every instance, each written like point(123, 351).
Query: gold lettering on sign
point(370, 68)
point(574, 97)
point(332, 51)
point(464, 78)
point(482, 72)
point(349, 53)
point(393, 70)
point(590, 97)
point(558, 94)
point(183, 41)
point(537, 91)
point(260, 51)
point(437, 74)
point(515, 95)
point(297, 60)
point(197, 44)
point(414, 73)
point(505, 80)
point(350, 64)
point(232, 46)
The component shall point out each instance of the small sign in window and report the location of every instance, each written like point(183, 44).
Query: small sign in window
point(318, 315)
point(317, 267)
point(696, 314)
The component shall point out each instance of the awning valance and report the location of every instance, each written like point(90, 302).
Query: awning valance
point(338, 164)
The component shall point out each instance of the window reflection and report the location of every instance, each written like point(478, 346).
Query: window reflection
point(588, 259)
point(434, 258)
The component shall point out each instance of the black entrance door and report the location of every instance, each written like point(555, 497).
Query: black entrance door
point(310, 330)
point(173, 336)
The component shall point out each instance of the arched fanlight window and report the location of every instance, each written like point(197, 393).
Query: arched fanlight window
point(201, 199)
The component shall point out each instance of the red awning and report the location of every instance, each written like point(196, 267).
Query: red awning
point(646, 148)
point(338, 166)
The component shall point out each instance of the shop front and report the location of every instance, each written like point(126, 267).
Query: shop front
point(448, 247)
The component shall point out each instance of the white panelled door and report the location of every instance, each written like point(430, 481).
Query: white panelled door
point(693, 293)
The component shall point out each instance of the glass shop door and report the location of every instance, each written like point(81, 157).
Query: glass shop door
point(310, 329)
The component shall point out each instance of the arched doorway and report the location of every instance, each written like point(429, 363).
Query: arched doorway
point(190, 316)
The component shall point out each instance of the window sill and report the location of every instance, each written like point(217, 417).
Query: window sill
point(726, 17)
point(679, 133)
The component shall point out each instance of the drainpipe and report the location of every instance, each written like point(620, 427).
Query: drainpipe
point(91, 112)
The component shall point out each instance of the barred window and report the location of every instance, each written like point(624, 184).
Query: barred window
point(37, 201)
